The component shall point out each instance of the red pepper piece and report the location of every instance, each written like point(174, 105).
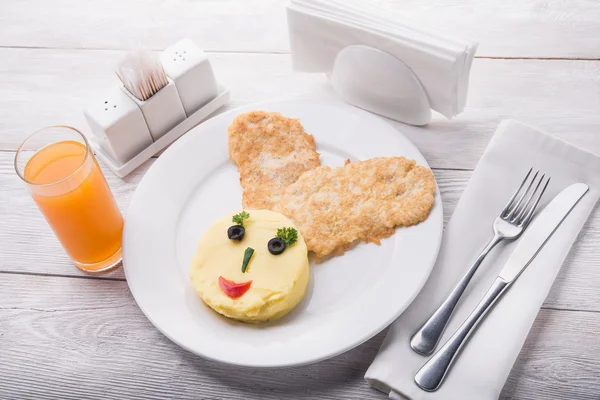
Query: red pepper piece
point(232, 289)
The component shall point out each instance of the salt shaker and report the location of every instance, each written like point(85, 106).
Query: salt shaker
point(188, 66)
point(119, 125)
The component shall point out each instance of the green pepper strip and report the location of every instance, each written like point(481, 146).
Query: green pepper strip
point(247, 256)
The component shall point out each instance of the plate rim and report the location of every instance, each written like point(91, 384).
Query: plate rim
point(438, 205)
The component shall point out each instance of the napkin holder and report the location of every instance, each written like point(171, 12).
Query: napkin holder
point(379, 82)
point(127, 132)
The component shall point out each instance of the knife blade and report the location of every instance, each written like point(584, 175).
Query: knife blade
point(432, 374)
point(541, 230)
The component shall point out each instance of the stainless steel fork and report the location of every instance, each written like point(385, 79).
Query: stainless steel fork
point(509, 225)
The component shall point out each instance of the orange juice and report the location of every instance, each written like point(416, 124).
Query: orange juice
point(71, 191)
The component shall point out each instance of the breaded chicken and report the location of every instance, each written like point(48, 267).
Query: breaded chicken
point(361, 201)
point(271, 152)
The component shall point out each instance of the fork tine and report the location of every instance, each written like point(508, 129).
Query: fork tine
point(529, 214)
point(514, 210)
point(512, 198)
point(519, 217)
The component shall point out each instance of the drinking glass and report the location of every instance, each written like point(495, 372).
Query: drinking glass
point(66, 183)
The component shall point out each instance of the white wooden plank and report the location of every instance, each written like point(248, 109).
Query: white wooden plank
point(555, 360)
point(23, 231)
point(512, 28)
point(47, 87)
point(44, 87)
point(217, 25)
point(67, 338)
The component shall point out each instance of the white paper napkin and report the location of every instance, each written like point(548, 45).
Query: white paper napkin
point(486, 360)
point(320, 29)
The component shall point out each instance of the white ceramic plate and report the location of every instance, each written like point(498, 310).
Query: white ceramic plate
point(350, 298)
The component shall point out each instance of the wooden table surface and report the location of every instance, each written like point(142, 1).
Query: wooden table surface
point(68, 335)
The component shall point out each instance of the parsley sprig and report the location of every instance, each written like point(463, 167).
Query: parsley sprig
point(288, 235)
point(239, 218)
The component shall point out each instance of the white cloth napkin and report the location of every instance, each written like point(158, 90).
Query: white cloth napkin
point(486, 360)
point(320, 29)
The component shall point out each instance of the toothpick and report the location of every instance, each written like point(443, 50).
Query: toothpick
point(142, 74)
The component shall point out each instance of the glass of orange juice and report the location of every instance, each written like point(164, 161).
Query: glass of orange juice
point(69, 188)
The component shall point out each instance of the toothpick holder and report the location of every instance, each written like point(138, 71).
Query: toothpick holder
point(163, 111)
point(379, 82)
point(127, 131)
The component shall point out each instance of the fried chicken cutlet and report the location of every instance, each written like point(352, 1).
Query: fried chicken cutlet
point(271, 152)
point(361, 201)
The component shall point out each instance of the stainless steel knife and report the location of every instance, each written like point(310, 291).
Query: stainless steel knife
point(432, 374)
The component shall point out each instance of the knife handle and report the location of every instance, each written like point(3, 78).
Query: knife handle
point(432, 374)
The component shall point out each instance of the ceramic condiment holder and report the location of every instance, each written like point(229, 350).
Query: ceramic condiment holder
point(128, 131)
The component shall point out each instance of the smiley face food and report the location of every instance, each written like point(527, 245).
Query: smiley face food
point(243, 279)
point(271, 152)
point(361, 201)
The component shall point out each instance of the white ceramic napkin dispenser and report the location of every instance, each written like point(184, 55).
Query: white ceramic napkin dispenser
point(386, 87)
